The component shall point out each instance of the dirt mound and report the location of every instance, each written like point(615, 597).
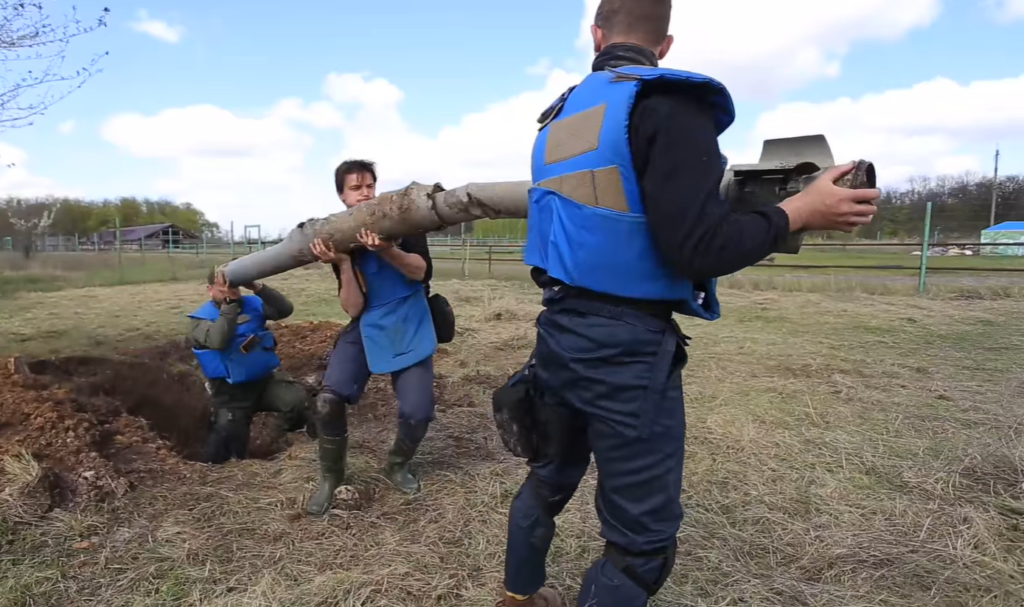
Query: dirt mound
point(303, 348)
point(98, 425)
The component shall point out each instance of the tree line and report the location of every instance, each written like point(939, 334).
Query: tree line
point(23, 219)
point(961, 207)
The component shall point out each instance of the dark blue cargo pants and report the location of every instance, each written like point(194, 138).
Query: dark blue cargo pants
point(347, 375)
point(609, 383)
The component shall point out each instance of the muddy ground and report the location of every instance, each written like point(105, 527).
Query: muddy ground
point(101, 426)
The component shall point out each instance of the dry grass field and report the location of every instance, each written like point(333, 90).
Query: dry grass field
point(843, 450)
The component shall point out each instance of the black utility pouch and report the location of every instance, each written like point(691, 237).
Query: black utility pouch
point(514, 405)
point(443, 316)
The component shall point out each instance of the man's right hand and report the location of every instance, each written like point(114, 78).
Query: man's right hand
point(825, 206)
point(326, 254)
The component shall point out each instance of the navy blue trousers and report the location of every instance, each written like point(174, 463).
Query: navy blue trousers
point(609, 384)
point(347, 375)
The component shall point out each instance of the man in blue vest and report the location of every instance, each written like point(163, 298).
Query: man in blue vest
point(626, 227)
point(383, 288)
point(235, 352)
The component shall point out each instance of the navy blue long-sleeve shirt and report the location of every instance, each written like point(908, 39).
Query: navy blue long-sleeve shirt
point(679, 168)
point(678, 164)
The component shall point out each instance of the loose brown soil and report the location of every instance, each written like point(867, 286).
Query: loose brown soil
point(99, 426)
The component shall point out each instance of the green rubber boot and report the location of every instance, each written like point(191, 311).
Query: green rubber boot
point(333, 453)
point(402, 451)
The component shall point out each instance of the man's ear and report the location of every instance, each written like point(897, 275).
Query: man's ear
point(665, 47)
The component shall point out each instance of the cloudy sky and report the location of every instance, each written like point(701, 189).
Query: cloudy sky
point(244, 108)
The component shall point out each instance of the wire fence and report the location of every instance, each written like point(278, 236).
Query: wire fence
point(70, 260)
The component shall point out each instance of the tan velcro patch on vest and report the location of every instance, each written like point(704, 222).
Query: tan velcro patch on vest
point(598, 188)
point(574, 135)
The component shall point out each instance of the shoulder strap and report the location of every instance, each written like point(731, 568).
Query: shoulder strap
point(554, 109)
point(360, 281)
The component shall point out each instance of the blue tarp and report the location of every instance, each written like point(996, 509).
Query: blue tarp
point(1006, 226)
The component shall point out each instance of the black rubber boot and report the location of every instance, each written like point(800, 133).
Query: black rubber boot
point(303, 420)
point(228, 437)
point(309, 426)
point(402, 451)
point(333, 455)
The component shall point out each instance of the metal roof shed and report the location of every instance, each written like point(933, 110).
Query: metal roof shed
point(155, 236)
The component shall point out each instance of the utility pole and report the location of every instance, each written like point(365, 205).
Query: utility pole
point(995, 187)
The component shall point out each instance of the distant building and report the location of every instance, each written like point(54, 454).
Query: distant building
point(1008, 238)
point(155, 237)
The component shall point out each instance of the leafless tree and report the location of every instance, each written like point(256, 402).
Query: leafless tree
point(30, 220)
point(33, 46)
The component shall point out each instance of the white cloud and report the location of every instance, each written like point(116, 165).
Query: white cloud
point(543, 67)
point(204, 131)
point(319, 114)
point(1005, 11)
point(356, 88)
point(66, 128)
point(16, 180)
point(759, 49)
point(246, 169)
point(955, 165)
point(492, 144)
point(921, 129)
point(161, 30)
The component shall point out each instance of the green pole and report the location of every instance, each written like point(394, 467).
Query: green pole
point(924, 247)
point(117, 237)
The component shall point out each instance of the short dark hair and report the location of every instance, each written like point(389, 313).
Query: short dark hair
point(642, 21)
point(353, 167)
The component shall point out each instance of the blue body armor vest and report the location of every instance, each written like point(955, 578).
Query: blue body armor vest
point(396, 325)
point(586, 224)
point(231, 363)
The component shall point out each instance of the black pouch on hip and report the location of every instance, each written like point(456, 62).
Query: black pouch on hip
point(443, 317)
point(514, 406)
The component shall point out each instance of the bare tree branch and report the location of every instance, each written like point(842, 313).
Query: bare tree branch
point(33, 50)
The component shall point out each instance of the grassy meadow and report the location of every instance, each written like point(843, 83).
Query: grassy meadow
point(844, 449)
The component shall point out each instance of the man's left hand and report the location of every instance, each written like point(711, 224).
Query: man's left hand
point(372, 241)
point(221, 286)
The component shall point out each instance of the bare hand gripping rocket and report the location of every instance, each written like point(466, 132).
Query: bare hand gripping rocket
point(785, 168)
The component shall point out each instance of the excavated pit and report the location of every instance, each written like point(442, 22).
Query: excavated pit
point(97, 426)
point(173, 402)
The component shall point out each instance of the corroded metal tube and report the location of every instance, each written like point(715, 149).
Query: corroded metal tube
point(414, 209)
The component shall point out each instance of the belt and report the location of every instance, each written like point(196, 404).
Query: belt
point(658, 309)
